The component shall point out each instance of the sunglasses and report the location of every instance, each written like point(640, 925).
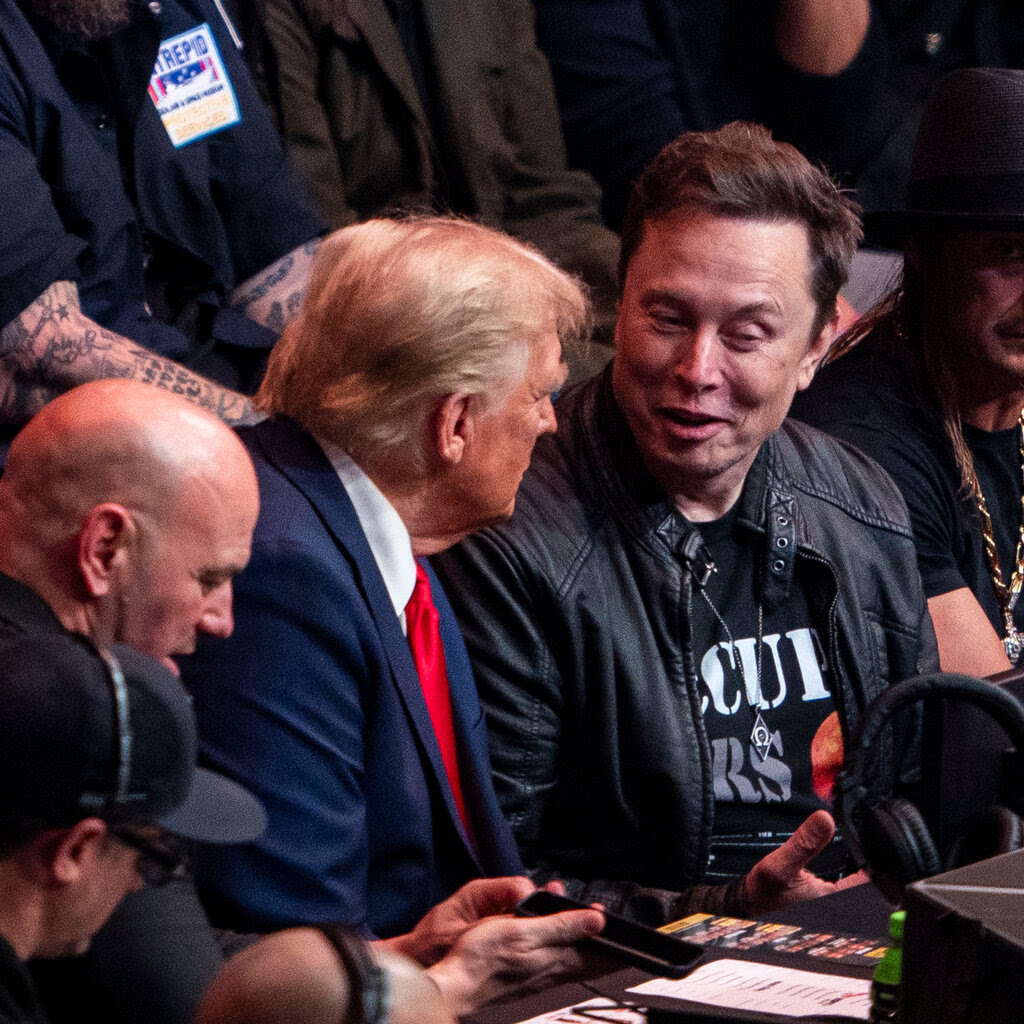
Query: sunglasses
point(161, 858)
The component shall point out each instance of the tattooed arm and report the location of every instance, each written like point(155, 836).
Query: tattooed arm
point(273, 296)
point(52, 345)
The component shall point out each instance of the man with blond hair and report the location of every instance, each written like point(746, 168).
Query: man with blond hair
point(404, 404)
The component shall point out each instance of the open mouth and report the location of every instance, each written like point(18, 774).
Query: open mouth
point(691, 422)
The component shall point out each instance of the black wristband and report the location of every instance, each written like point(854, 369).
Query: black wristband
point(367, 979)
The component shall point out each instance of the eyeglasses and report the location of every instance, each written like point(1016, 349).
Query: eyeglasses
point(161, 860)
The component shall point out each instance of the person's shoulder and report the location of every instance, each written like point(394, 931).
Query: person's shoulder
point(559, 482)
point(842, 386)
point(24, 63)
point(299, 489)
point(866, 399)
point(273, 445)
point(281, 443)
point(831, 470)
point(548, 528)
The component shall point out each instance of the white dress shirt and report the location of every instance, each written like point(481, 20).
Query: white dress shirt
point(385, 532)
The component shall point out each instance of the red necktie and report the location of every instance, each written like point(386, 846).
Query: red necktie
point(421, 621)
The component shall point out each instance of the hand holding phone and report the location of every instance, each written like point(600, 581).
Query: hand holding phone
point(636, 944)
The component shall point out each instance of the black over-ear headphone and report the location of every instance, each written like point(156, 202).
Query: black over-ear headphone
point(888, 835)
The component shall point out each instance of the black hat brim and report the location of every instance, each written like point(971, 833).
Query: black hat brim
point(217, 810)
point(889, 228)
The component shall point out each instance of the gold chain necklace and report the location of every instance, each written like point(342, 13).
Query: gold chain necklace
point(1013, 640)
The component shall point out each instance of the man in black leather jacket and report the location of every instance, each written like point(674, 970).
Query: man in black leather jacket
point(694, 601)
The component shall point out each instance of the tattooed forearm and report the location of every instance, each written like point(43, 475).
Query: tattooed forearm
point(52, 346)
point(56, 305)
point(259, 287)
point(273, 297)
point(164, 373)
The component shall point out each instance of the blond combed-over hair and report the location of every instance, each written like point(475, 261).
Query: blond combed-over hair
point(402, 313)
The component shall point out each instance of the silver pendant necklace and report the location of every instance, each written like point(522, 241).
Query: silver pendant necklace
point(760, 735)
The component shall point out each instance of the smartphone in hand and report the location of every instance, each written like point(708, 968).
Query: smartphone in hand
point(636, 944)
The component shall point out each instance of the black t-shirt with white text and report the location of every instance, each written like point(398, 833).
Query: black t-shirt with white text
point(759, 802)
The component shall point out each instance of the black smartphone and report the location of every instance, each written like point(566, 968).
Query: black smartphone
point(636, 944)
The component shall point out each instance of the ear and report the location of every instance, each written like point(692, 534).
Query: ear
point(818, 349)
point(454, 427)
point(67, 855)
point(106, 532)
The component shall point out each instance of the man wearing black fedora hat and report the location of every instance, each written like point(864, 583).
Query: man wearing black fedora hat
point(931, 381)
point(98, 755)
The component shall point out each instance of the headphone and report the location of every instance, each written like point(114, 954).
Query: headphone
point(119, 794)
point(889, 836)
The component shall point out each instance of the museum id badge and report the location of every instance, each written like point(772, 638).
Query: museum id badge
point(191, 89)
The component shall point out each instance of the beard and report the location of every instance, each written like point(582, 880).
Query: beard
point(85, 19)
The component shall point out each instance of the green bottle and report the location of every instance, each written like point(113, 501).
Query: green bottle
point(885, 982)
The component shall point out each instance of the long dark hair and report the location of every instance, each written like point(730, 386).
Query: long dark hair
point(910, 334)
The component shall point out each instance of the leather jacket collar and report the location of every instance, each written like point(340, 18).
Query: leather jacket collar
point(767, 505)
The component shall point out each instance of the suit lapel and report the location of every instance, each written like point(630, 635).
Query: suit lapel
point(297, 456)
point(374, 23)
point(371, 20)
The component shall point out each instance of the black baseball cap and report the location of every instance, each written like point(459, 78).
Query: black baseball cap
point(89, 733)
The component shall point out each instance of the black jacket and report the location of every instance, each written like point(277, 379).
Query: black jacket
point(576, 615)
point(18, 1001)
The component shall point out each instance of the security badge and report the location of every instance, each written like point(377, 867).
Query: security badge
point(190, 87)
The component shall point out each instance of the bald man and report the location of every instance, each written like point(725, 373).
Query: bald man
point(128, 511)
point(300, 976)
point(124, 512)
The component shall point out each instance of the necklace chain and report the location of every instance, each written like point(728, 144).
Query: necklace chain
point(760, 734)
point(1006, 595)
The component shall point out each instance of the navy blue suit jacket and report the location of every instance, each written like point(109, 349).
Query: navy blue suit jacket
point(314, 704)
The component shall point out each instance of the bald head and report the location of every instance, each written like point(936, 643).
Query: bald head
point(116, 440)
point(128, 467)
point(296, 977)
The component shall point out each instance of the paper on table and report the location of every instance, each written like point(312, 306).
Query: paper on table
point(743, 985)
point(597, 1010)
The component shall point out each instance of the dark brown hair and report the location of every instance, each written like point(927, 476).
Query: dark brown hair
point(911, 335)
point(741, 171)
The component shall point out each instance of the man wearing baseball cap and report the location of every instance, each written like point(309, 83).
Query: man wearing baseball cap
point(98, 754)
point(933, 388)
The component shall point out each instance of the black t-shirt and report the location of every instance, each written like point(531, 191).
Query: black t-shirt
point(997, 462)
point(865, 400)
point(760, 801)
